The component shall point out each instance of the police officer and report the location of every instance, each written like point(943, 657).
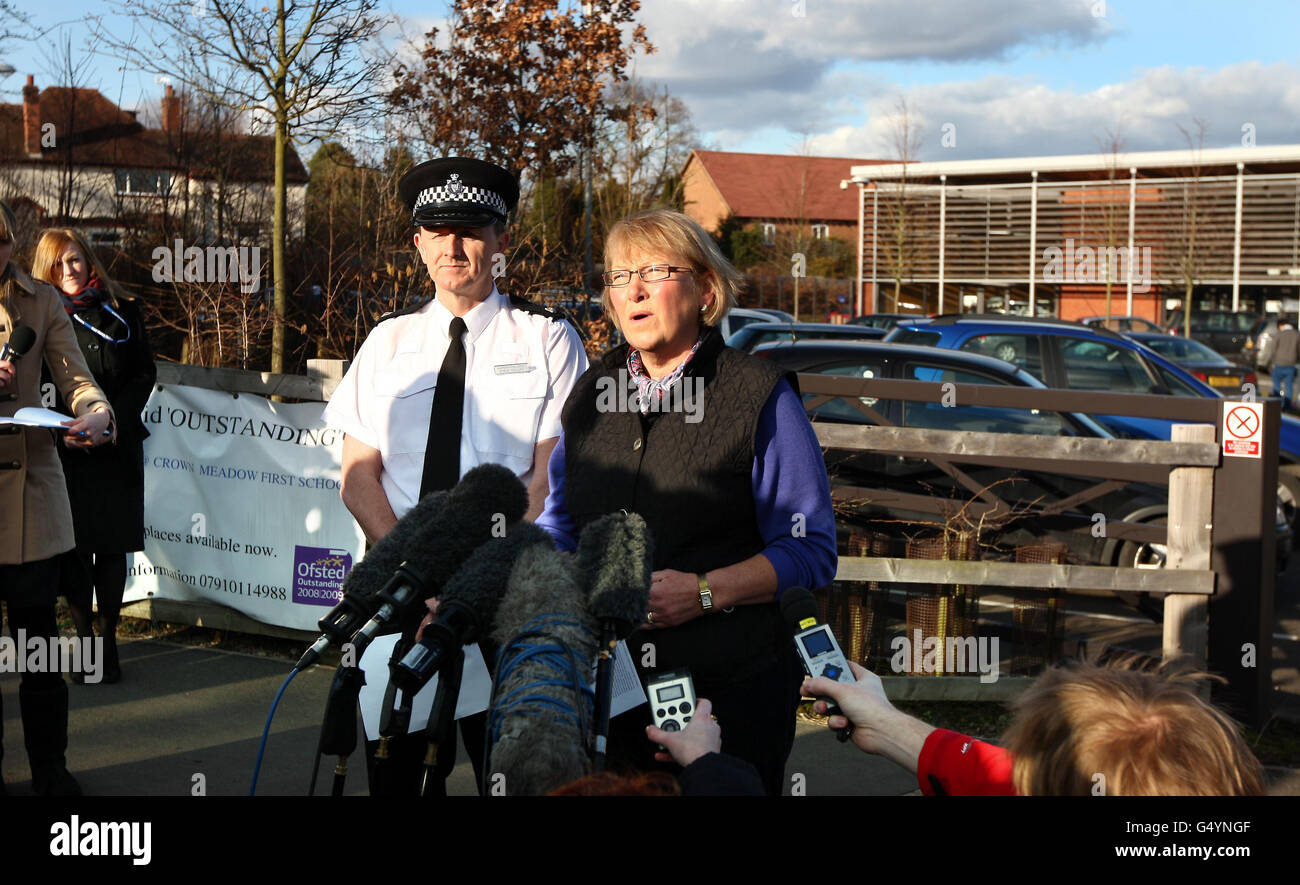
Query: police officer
point(518, 363)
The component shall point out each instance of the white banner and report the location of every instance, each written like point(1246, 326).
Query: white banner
point(242, 508)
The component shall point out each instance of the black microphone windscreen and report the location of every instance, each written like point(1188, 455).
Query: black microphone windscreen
point(615, 552)
point(482, 580)
point(370, 575)
point(21, 339)
point(797, 605)
point(442, 530)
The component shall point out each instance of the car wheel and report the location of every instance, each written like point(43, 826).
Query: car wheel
point(1288, 492)
point(1006, 352)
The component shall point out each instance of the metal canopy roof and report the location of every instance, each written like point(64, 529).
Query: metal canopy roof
point(1288, 154)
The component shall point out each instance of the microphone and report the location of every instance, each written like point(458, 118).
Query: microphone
point(616, 554)
point(468, 605)
point(373, 575)
point(20, 341)
point(436, 536)
point(541, 703)
point(816, 645)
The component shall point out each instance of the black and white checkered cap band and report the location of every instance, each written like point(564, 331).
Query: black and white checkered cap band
point(462, 194)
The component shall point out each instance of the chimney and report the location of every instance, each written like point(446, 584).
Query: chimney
point(171, 112)
point(31, 118)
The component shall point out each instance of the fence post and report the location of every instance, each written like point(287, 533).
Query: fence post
point(1191, 510)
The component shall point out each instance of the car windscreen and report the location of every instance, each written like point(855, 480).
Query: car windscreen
point(902, 335)
point(953, 414)
point(1184, 350)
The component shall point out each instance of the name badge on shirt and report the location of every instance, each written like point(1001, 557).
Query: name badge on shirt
point(513, 368)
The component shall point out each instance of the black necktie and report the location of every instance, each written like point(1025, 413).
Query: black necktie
point(442, 453)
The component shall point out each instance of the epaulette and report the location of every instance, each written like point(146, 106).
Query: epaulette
point(410, 308)
point(519, 303)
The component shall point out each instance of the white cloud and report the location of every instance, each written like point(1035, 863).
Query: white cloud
point(1006, 116)
point(749, 65)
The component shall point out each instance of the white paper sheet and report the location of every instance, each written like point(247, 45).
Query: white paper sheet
point(475, 687)
point(34, 416)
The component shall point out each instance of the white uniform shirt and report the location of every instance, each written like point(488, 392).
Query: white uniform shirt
point(519, 370)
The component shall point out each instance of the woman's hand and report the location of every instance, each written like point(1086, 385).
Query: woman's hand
point(89, 430)
point(700, 737)
point(674, 599)
point(7, 372)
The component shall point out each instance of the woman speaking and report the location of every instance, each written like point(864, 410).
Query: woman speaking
point(105, 486)
point(35, 521)
point(713, 448)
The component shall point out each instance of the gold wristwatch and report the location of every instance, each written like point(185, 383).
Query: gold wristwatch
point(706, 595)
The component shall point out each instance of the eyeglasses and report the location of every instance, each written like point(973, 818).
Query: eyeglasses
point(655, 273)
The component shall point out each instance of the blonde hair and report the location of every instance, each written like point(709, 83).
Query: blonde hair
point(50, 247)
point(1088, 730)
point(678, 237)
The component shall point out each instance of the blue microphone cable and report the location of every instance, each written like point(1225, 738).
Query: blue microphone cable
point(266, 731)
point(559, 659)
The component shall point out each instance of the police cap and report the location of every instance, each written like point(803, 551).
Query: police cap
point(458, 191)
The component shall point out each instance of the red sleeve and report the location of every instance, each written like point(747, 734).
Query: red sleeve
point(953, 764)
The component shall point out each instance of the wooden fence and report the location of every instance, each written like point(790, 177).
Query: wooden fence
point(1220, 532)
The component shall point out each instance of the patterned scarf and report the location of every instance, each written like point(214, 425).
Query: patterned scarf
point(650, 390)
point(90, 296)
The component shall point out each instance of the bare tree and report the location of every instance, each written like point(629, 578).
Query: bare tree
point(1190, 252)
point(640, 151)
point(905, 142)
point(1111, 147)
point(307, 74)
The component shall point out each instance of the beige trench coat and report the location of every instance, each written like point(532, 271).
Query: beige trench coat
point(35, 519)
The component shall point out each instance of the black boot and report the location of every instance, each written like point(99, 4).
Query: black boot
point(2, 750)
point(45, 732)
point(112, 665)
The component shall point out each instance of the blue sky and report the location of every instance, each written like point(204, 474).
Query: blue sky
point(1012, 76)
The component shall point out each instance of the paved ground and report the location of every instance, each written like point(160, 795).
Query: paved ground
point(184, 712)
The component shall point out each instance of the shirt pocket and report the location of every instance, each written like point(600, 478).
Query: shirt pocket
point(403, 397)
point(508, 409)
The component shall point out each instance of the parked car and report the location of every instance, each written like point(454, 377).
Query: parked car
point(738, 317)
point(1075, 357)
point(883, 320)
point(754, 334)
point(779, 315)
point(1025, 492)
point(1123, 324)
point(1261, 334)
point(1223, 330)
point(1212, 368)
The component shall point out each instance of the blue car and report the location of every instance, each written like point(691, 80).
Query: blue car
point(1072, 356)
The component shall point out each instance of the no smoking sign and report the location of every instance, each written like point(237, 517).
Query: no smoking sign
point(1243, 429)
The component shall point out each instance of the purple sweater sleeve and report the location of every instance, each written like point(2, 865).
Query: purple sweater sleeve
point(555, 516)
point(792, 495)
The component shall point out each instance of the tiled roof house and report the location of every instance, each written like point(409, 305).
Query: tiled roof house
point(78, 158)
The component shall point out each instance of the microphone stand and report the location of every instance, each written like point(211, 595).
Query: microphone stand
point(604, 689)
point(394, 722)
point(442, 723)
point(338, 732)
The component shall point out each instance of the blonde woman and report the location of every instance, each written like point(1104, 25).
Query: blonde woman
point(35, 520)
point(713, 447)
point(105, 486)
